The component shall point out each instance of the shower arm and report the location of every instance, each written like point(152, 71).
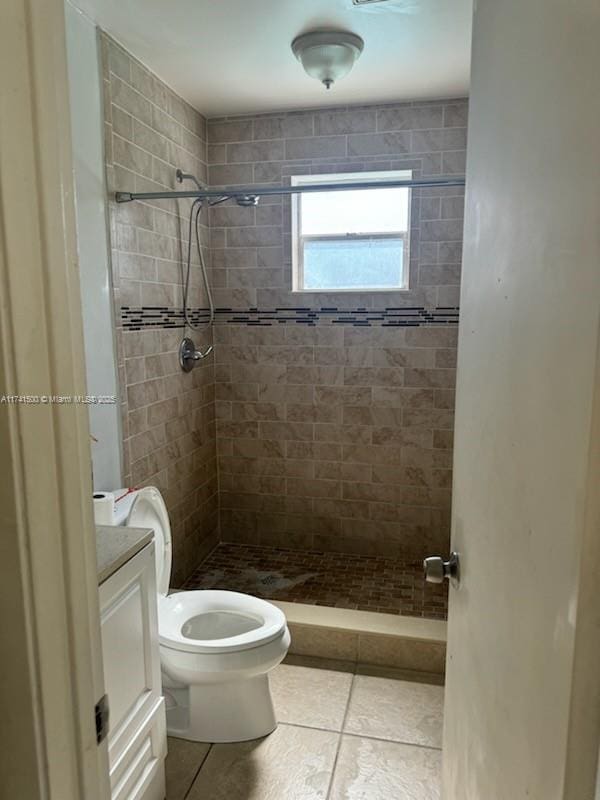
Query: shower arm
point(187, 176)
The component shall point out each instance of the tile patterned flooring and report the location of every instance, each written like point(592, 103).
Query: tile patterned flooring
point(345, 733)
point(367, 583)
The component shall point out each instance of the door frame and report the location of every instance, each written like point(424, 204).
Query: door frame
point(49, 619)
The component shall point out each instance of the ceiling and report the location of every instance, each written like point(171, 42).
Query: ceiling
point(234, 56)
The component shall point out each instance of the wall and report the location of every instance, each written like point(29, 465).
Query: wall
point(336, 411)
point(167, 415)
point(93, 245)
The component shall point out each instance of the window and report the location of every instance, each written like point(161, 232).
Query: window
point(354, 240)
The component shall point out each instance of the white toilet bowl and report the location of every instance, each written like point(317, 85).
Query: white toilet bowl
point(216, 647)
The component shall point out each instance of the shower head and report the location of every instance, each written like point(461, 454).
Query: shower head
point(247, 200)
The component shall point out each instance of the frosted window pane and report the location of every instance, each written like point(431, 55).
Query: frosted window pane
point(353, 264)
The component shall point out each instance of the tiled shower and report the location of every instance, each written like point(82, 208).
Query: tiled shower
point(324, 422)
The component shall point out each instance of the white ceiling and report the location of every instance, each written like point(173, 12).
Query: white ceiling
point(234, 56)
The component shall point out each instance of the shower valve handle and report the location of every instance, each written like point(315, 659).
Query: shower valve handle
point(188, 355)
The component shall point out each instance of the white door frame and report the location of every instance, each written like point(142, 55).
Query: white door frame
point(49, 619)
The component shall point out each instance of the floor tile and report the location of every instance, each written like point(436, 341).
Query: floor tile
point(370, 583)
point(290, 764)
point(368, 769)
point(396, 710)
point(183, 762)
point(309, 696)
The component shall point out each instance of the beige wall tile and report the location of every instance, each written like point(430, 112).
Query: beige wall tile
point(315, 147)
point(410, 118)
point(336, 122)
point(234, 131)
point(232, 174)
point(163, 445)
point(375, 144)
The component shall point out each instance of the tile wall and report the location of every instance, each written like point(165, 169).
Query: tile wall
point(335, 411)
point(169, 436)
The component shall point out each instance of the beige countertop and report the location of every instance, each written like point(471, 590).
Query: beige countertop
point(116, 544)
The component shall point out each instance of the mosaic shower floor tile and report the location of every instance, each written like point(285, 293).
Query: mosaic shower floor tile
point(366, 583)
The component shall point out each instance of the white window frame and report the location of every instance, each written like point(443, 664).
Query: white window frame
point(298, 240)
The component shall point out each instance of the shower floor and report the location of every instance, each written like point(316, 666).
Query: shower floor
point(366, 583)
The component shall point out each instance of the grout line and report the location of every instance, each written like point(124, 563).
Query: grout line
point(341, 733)
point(392, 741)
point(191, 786)
point(361, 736)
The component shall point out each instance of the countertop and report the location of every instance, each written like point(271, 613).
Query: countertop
point(116, 544)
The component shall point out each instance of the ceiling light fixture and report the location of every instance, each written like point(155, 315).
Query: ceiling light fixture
point(327, 55)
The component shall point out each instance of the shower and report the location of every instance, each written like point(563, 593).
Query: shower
point(248, 196)
point(188, 354)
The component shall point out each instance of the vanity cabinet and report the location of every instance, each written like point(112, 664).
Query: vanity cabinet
point(130, 651)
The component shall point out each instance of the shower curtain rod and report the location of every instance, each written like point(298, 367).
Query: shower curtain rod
point(248, 194)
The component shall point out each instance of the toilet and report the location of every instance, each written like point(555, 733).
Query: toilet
point(216, 647)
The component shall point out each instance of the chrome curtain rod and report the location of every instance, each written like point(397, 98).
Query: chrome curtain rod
point(249, 194)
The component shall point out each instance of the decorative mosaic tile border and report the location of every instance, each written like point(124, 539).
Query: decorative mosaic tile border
point(135, 319)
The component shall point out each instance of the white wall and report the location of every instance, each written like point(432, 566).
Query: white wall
point(92, 235)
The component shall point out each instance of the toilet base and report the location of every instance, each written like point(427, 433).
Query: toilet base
point(235, 711)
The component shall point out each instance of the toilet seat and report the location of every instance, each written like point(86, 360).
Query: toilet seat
point(247, 621)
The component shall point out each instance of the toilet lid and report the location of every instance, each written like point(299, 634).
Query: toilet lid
point(149, 511)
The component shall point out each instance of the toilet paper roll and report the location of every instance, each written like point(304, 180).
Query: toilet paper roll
point(104, 508)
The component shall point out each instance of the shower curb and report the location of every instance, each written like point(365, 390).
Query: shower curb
point(365, 637)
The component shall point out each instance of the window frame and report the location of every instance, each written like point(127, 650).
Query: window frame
point(298, 239)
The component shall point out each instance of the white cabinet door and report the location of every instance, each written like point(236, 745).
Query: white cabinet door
point(522, 711)
point(130, 650)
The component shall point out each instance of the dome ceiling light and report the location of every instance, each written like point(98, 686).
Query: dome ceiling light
point(327, 55)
